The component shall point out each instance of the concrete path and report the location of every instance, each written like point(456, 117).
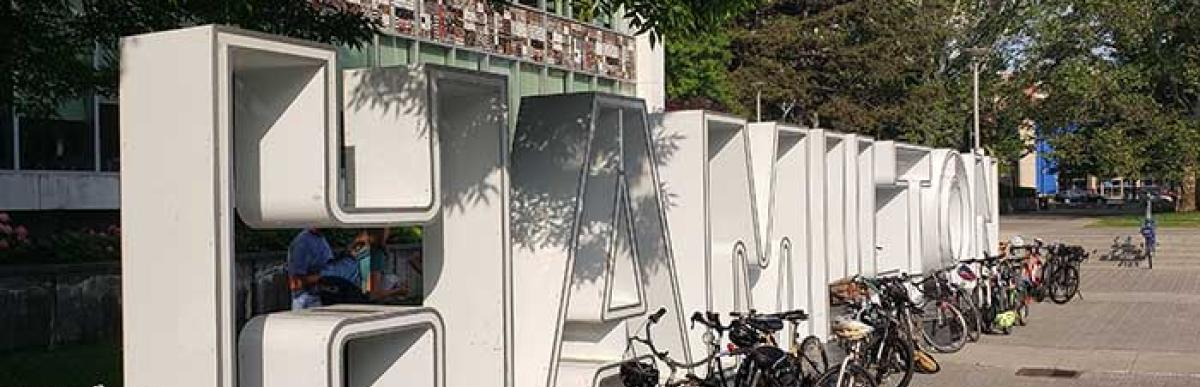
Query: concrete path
point(1132, 327)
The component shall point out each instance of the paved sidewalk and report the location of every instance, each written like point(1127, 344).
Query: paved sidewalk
point(1132, 327)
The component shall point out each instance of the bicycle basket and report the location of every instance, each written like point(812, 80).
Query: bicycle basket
point(638, 374)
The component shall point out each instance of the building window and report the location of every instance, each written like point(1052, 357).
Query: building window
point(467, 59)
point(581, 83)
point(433, 54)
point(529, 3)
point(393, 51)
point(110, 142)
point(606, 85)
point(556, 82)
point(56, 144)
point(531, 80)
point(354, 58)
point(628, 89)
point(6, 139)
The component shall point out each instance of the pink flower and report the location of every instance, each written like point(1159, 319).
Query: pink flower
point(5, 229)
point(4, 217)
point(22, 233)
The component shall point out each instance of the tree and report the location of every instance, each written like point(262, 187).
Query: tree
point(888, 69)
point(1124, 76)
point(697, 73)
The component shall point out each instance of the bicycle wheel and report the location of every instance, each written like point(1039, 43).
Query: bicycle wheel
point(987, 310)
point(1000, 304)
point(814, 356)
point(1068, 284)
point(943, 327)
point(854, 376)
point(1021, 306)
point(894, 365)
point(971, 315)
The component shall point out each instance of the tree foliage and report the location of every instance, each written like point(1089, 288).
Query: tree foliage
point(895, 70)
point(697, 73)
point(1123, 79)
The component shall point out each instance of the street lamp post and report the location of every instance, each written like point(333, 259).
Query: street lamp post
point(758, 100)
point(975, 89)
point(977, 54)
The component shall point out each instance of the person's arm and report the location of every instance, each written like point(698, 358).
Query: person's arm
point(299, 275)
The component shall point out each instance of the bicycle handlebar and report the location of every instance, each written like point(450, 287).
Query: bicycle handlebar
point(648, 341)
point(657, 315)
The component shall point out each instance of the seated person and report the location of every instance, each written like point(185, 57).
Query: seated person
point(308, 255)
point(355, 276)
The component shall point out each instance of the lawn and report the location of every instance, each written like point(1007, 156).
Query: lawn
point(1165, 220)
point(70, 366)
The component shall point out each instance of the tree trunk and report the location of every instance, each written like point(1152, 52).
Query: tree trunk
point(1187, 190)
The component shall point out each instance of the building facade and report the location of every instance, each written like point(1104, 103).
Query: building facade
point(71, 162)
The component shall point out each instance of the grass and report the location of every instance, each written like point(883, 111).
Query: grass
point(71, 366)
point(1164, 220)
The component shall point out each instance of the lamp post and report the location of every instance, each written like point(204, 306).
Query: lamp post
point(758, 100)
point(977, 54)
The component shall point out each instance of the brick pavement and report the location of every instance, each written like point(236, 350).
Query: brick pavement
point(1132, 327)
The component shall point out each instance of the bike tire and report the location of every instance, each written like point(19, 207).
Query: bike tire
point(987, 311)
point(1021, 306)
point(855, 375)
point(971, 315)
point(946, 330)
point(899, 357)
point(1070, 279)
point(812, 351)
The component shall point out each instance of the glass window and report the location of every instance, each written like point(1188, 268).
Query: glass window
point(500, 66)
point(56, 144)
point(353, 58)
point(6, 139)
point(531, 79)
point(628, 89)
point(433, 54)
point(556, 82)
point(581, 83)
point(110, 142)
point(393, 51)
point(466, 59)
point(607, 85)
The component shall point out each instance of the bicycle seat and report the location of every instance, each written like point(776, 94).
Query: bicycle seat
point(792, 315)
point(767, 323)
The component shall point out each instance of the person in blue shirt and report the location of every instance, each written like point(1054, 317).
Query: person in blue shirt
point(308, 256)
point(355, 276)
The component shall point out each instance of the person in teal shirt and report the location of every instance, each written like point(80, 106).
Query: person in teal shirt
point(363, 265)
